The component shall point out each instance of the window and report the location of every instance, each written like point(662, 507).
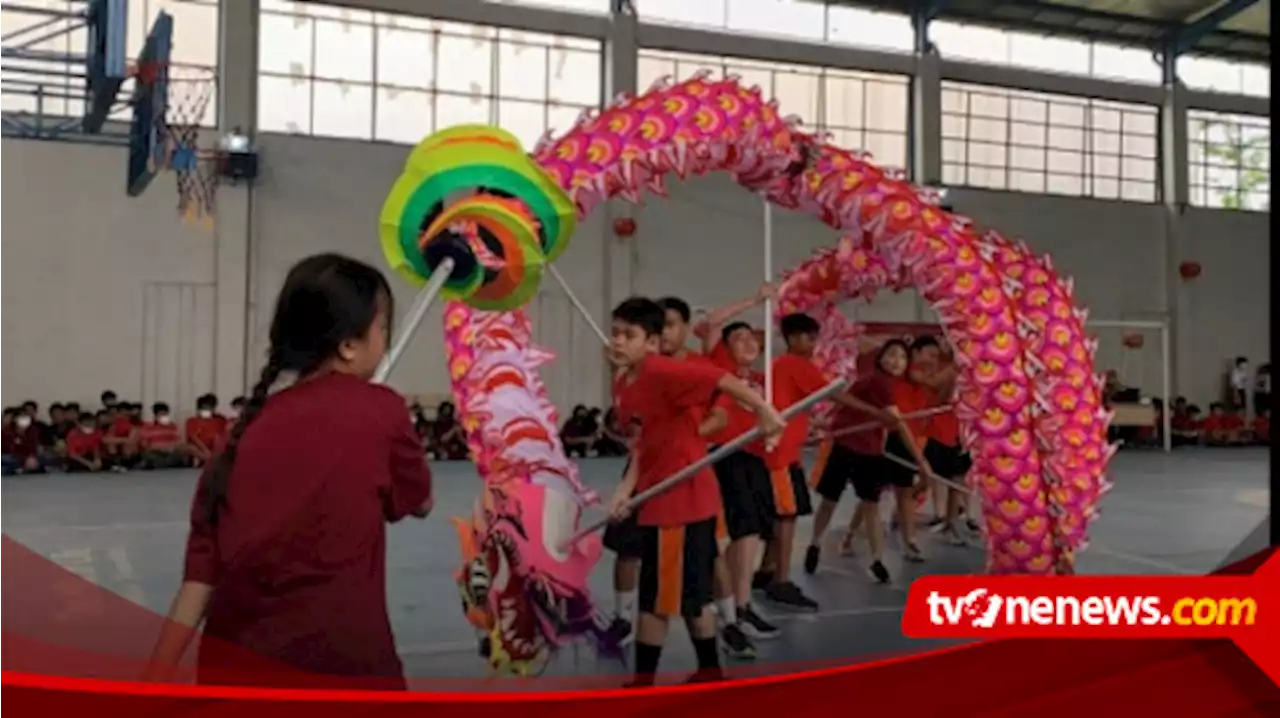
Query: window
point(1240, 78)
point(595, 7)
point(195, 56)
point(959, 41)
point(1055, 144)
point(373, 76)
point(809, 20)
point(861, 110)
point(1230, 158)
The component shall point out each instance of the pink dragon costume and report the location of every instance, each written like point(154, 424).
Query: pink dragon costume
point(1028, 398)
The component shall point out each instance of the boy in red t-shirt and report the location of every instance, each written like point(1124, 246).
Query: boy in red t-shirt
point(120, 439)
point(84, 445)
point(936, 372)
point(160, 440)
point(665, 400)
point(1222, 427)
point(21, 443)
point(795, 377)
point(205, 430)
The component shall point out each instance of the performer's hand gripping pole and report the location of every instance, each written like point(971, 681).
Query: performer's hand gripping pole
point(799, 407)
point(869, 425)
point(417, 312)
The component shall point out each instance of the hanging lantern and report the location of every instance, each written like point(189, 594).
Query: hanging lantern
point(1189, 270)
point(1133, 340)
point(624, 227)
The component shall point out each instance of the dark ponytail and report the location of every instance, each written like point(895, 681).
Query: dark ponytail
point(326, 300)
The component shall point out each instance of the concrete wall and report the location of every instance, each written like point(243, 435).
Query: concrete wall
point(103, 291)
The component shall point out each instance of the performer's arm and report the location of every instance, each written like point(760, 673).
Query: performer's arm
point(709, 328)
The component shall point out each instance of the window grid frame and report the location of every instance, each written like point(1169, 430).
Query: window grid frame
point(498, 37)
point(1088, 176)
point(1199, 192)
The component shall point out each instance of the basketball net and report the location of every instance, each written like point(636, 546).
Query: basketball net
point(196, 169)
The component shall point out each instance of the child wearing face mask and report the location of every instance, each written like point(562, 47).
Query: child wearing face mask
point(160, 440)
point(205, 430)
point(84, 445)
point(21, 443)
point(233, 415)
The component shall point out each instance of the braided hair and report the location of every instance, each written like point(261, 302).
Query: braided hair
point(326, 300)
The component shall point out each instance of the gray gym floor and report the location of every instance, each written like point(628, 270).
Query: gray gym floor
point(1187, 512)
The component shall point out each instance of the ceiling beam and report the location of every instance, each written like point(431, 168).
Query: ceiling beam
point(1186, 37)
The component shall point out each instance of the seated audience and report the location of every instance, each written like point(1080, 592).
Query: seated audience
point(449, 442)
point(205, 430)
point(1262, 427)
point(108, 399)
point(43, 432)
point(1186, 423)
point(233, 416)
point(1223, 427)
point(21, 441)
point(579, 432)
point(612, 442)
point(160, 441)
point(84, 445)
point(120, 439)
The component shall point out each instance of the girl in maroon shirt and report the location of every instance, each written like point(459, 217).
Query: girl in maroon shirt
point(286, 557)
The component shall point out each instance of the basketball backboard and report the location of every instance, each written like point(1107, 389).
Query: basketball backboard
point(150, 102)
point(105, 65)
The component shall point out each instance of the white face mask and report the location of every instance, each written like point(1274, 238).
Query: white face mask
point(164, 420)
point(233, 415)
point(205, 413)
point(87, 429)
point(23, 421)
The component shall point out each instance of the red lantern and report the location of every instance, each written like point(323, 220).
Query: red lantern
point(1189, 270)
point(1133, 340)
point(624, 227)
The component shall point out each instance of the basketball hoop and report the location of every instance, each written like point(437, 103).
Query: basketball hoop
point(196, 168)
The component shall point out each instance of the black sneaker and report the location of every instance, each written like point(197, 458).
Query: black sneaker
point(754, 625)
point(788, 594)
point(811, 557)
point(736, 643)
point(762, 580)
point(935, 523)
point(878, 572)
point(620, 631)
point(973, 525)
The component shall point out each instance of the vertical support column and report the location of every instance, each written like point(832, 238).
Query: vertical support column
point(237, 111)
point(925, 122)
point(1176, 197)
point(621, 49)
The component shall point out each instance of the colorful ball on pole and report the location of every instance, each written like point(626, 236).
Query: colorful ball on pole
point(470, 193)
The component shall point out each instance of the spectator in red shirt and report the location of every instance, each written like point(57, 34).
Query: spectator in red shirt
point(205, 430)
point(84, 445)
point(233, 415)
point(1222, 427)
point(120, 439)
point(160, 441)
point(21, 443)
point(286, 556)
point(449, 442)
point(667, 400)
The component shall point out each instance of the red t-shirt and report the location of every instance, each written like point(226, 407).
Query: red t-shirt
point(22, 443)
point(943, 428)
point(159, 437)
point(666, 399)
point(298, 556)
point(83, 445)
point(874, 390)
point(1213, 423)
point(208, 432)
point(121, 427)
point(1262, 428)
point(909, 397)
point(1232, 422)
point(741, 419)
point(794, 378)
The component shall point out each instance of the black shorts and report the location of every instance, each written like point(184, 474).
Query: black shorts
point(790, 493)
point(949, 462)
point(839, 466)
point(747, 495)
point(623, 537)
point(895, 473)
point(677, 569)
